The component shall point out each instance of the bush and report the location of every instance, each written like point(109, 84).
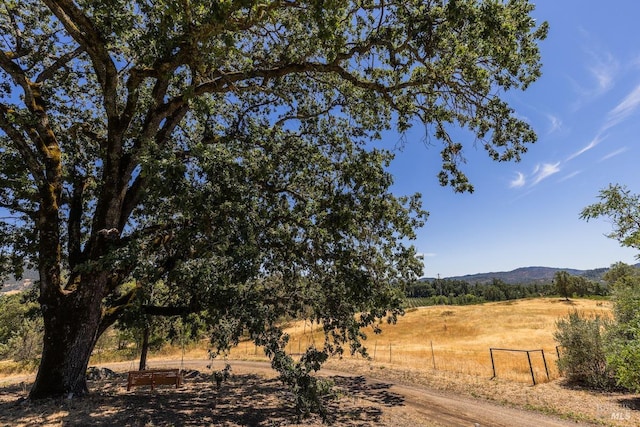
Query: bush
point(583, 358)
point(20, 328)
point(623, 348)
point(624, 357)
point(25, 343)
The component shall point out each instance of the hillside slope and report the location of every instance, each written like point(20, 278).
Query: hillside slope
point(528, 275)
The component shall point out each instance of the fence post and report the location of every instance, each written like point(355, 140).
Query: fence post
point(389, 352)
point(493, 365)
point(433, 357)
point(533, 378)
point(375, 348)
point(544, 359)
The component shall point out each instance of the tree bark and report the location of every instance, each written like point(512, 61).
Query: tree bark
point(145, 347)
point(71, 331)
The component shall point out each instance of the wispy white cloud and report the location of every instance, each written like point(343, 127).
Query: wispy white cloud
point(544, 171)
point(555, 123)
point(595, 141)
point(624, 109)
point(540, 172)
point(519, 181)
point(603, 66)
point(571, 175)
point(614, 153)
point(603, 72)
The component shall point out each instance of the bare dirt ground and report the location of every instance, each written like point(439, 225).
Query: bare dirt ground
point(254, 397)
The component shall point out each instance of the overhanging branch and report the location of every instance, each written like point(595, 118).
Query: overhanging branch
point(59, 63)
point(21, 144)
point(83, 31)
point(154, 310)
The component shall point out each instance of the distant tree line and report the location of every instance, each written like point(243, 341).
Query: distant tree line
point(461, 292)
point(567, 285)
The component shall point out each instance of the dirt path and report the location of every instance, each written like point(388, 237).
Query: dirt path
point(401, 404)
point(437, 409)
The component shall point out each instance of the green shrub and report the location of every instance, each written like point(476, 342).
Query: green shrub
point(20, 328)
point(583, 359)
point(623, 339)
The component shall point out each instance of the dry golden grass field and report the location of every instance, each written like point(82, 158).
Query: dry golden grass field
point(458, 338)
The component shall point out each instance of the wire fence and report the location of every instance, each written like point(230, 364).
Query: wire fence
point(532, 366)
point(522, 365)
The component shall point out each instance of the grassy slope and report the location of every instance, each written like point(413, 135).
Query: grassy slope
point(459, 337)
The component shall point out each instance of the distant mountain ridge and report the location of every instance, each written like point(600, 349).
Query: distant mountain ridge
point(520, 275)
point(14, 285)
point(529, 275)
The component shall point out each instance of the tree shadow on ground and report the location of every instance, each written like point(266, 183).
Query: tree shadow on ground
point(244, 400)
point(375, 392)
point(630, 403)
point(575, 385)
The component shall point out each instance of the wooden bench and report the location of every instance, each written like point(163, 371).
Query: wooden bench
point(154, 377)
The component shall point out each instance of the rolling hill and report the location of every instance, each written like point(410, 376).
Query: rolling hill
point(14, 285)
point(529, 275)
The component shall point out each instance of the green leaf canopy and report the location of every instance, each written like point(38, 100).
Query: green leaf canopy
point(224, 148)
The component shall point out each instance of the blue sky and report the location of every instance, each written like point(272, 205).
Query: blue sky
point(586, 111)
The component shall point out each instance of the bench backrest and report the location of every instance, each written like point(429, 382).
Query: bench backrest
point(154, 377)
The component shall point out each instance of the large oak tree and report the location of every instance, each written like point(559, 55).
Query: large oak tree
point(223, 148)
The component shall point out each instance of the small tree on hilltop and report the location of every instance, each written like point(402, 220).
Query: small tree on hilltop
point(563, 284)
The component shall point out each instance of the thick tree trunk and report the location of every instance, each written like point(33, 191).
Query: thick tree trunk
point(145, 347)
point(71, 331)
